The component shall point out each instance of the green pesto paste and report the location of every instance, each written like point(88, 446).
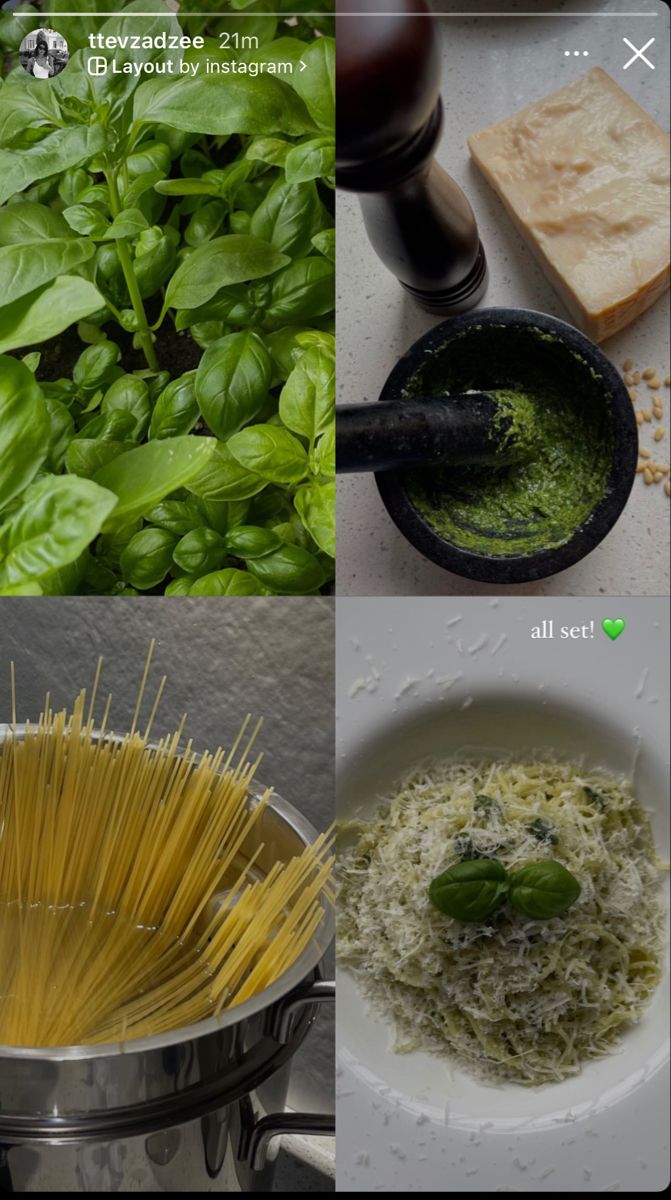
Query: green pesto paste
point(556, 420)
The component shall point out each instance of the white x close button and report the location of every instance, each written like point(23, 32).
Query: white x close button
point(638, 54)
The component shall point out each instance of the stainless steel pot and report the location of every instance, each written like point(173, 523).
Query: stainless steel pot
point(198, 1109)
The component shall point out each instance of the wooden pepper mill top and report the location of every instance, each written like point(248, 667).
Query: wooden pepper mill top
point(388, 122)
point(388, 70)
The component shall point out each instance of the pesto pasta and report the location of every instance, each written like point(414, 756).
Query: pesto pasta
point(507, 998)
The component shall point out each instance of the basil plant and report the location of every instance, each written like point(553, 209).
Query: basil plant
point(166, 307)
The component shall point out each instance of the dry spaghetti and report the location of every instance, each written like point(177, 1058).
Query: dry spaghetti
point(129, 905)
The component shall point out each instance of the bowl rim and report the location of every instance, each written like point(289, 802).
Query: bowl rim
point(520, 568)
point(276, 991)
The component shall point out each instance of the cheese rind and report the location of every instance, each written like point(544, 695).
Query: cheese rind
point(584, 173)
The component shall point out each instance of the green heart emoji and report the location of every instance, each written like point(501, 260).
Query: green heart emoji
point(613, 629)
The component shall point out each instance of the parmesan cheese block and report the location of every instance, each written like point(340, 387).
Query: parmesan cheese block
point(584, 174)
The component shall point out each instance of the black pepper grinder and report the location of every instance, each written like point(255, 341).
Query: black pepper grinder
point(388, 122)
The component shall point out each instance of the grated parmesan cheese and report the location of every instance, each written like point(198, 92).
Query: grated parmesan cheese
point(508, 998)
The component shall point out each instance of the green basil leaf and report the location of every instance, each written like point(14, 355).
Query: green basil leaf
point(302, 291)
point(285, 350)
point(279, 50)
point(177, 516)
point(223, 515)
point(147, 558)
point(288, 217)
point(316, 83)
point(58, 517)
point(232, 382)
point(142, 477)
point(72, 185)
point(291, 571)
point(61, 432)
point(272, 151)
point(179, 587)
point(60, 150)
point(307, 400)
point(47, 312)
point(316, 506)
point(204, 223)
point(176, 410)
point(324, 455)
point(84, 218)
point(234, 258)
point(188, 187)
point(111, 545)
point(229, 582)
point(470, 891)
point(225, 104)
point(24, 428)
point(21, 589)
point(324, 242)
point(85, 456)
point(223, 478)
point(129, 223)
point(26, 103)
point(83, 83)
point(149, 156)
point(94, 365)
point(114, 426)
point(232, 305)
point(543, 890)
point(311, 160)
point(129, 394)
point(27, 222)
point(271, 452)
point(200, 551)
point(32, 361)
point(251, 541)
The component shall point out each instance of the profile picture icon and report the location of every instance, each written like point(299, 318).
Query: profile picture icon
point(44, 53)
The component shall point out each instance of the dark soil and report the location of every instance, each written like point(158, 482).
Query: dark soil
point(176, 352)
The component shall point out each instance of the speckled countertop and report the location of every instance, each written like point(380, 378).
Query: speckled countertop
point(494, 67)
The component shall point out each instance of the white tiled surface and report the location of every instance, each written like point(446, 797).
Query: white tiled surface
point(493, 67)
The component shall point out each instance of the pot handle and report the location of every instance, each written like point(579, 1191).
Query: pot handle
point(260, 1135)
point(315, 991)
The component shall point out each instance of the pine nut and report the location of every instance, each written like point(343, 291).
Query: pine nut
point(659, 434)
point(627, 364)
point(647, 475)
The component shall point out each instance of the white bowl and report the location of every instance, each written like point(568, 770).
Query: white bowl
point(577, 699)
